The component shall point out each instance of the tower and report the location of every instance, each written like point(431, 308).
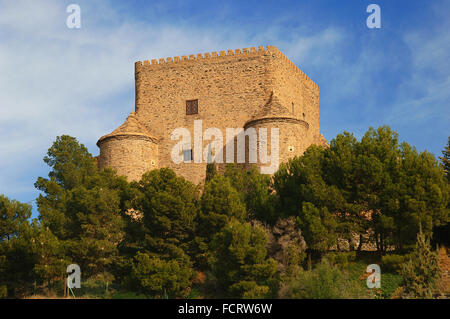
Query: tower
point(130, 149)
point(292, 130)
point(252, 88)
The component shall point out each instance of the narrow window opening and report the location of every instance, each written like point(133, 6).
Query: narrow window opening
point(187, 155)
point(191, 107)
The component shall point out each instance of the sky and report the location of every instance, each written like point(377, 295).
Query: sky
point(55, 80)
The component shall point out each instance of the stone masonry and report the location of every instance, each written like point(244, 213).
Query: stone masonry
point(249, 88)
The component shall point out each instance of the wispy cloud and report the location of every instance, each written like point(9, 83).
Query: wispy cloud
point(423, 99)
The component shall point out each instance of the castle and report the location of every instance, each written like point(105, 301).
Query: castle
point(254, 88)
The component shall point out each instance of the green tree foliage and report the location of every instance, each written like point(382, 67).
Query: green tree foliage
point(220, 201)
point(301, 180)
point(12, 215)
point(343, 171)
point(17, 258)
point(417, 196)
point(219, 196)
point(154, 234)
point(211, 171)
point(446, 159)
point(33, 257)
point(165, 243)
point(325, 281)
point(421, 272)
point(170, 205)
point(156, 277)
point(254, 190)
point(240, 261)
point(82, 205)
point(375, 183)
point(394, 262)
point(317, 226)
point(303, 193)
point(48, 252)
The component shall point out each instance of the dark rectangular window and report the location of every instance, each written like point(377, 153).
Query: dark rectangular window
point(191, 107)
point(187, 155)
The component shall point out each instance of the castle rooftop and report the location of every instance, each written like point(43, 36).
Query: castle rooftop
point(131, 127)
point(224, 55)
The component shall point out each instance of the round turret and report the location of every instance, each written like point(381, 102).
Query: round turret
point(130, 149)
point(293, 132)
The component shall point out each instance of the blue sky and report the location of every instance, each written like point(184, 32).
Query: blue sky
point(55, 80)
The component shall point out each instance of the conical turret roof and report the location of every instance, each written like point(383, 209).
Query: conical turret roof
point(131, 127)
point(273, 109)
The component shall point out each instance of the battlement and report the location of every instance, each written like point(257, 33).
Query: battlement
point(217, 55)
point(232, 89)
point(253, 51)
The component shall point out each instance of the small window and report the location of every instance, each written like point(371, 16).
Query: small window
point(304, 116)
point(191, 107)
point(187, 155)
point(293, 108)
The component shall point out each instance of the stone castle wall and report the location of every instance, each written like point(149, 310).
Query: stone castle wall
point(130, 156)
point(231, 88)
point(294, 88)
point(293, 137)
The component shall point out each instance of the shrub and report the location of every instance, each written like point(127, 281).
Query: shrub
point(240, 263)
point(389, 284)
point(159, 277)
point(394, 262)
point(341, 258)
point(421, 272)
point(324, 282)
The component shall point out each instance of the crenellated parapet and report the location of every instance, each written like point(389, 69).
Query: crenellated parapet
point(253, 51)
point(255, 88)
point(225, 55)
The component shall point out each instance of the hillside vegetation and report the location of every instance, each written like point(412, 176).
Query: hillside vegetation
point(308, 231)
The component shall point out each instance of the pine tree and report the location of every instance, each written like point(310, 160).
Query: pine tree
point(170, 205)
point(421, 272)
point(211, 171)
point(82, 206)
point(254, 189)
point(12, 215)
point(17, 258)
point(374, 184)
point(240, 262)
point(160, 277)
point(446, 159)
